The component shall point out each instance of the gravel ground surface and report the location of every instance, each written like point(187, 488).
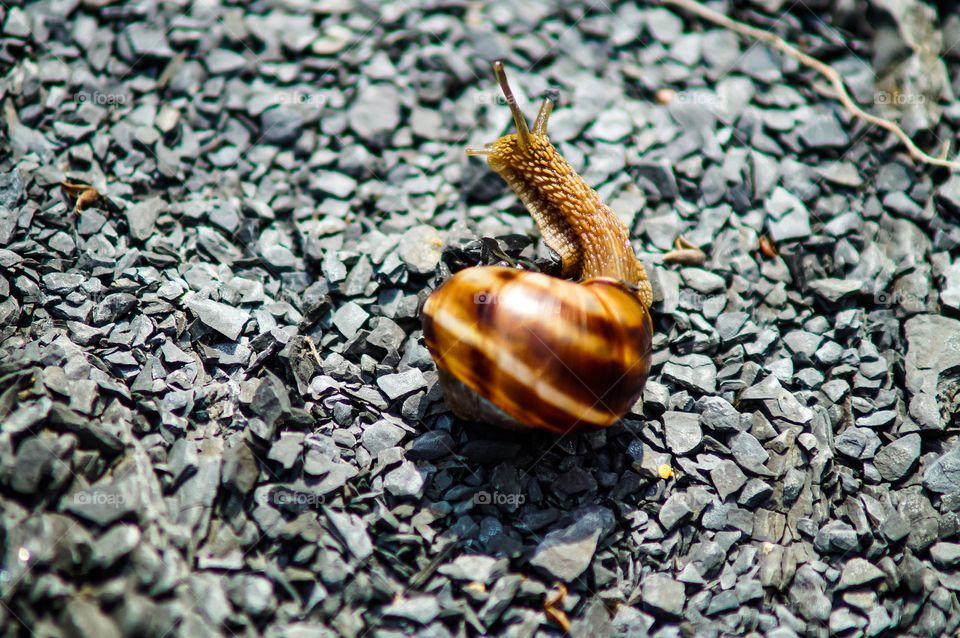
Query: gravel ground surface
point(218, 415)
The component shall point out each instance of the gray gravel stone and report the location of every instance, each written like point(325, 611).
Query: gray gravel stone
point(287, 449)
point(823, 131)
point(656, 179)
point(281, 125)
point(85, 619)
point(807, 594)
point(376, 111)
point(421, 609)
point(682, 431)
point(719, 415)
point(948, 192)
point(147, 40)
point(420, 249)
point(933, 353)
point(943, 475)
point(663, 595)
point(895, 459)
point(226, 320)
point(693, 371)
point(402, 383)
point(349, 317)
point(789, 217)
point(727, 478)
point(945, 554)
point(406, 480)
point(674, 510)
point(835, 290)
point(857, 443)
point(224, 61)
point(168, 466)
point(142, 217)
point(749, 453)
point(380, 436)
point(857, 572)
point(353, 532)
point(566, 553)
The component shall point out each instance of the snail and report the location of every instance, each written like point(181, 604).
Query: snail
point(516, 348)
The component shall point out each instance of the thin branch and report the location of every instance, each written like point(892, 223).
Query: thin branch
point(836, 80)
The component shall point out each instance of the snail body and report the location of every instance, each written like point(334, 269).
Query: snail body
point(518, 348)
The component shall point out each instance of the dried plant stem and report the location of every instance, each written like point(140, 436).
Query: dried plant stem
point(836, 80)
point(313, 351)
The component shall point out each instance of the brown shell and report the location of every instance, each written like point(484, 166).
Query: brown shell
point(549, 353)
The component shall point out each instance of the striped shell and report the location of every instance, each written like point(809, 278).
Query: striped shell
point(523, 348)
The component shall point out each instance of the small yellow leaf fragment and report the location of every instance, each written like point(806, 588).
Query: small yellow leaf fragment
point(665, 471)
point(84, 194)
point(552, 607)
point(685, 252)
point(686, 256)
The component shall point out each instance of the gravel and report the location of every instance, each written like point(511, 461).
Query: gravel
point(219, 416)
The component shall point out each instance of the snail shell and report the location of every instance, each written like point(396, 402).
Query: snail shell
point(549, 353)
point(517, 348)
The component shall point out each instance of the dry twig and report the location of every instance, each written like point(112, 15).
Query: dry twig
point(313, 351)
point(836, 80)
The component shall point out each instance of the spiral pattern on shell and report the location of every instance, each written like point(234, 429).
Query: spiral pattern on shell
point(550, 353)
